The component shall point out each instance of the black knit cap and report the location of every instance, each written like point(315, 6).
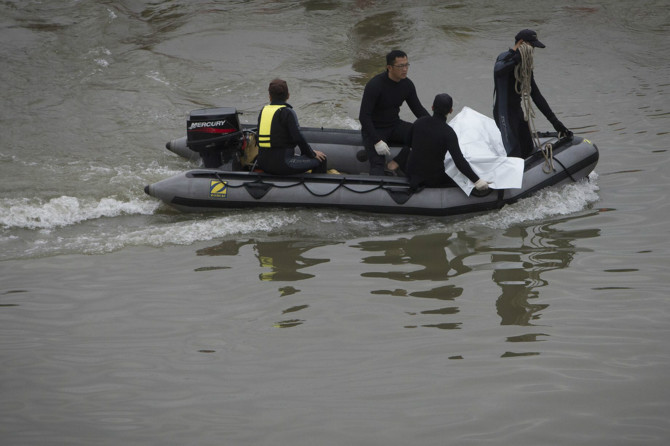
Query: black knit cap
point(530, 36)
point(442, 104)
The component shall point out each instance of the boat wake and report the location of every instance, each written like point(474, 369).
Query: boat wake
point(548, 203)
point(65, 211)
point(69, 225)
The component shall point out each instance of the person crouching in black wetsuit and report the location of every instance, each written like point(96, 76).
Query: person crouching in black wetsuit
point(507, 111)
point(279, 133)
point(379, 112)
point(431, 138)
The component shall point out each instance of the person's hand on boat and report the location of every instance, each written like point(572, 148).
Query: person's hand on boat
point(482, 185)
point(382, 148)
point(320, 155)
point(560, 128)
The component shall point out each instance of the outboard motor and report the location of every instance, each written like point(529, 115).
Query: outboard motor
point(216, 134)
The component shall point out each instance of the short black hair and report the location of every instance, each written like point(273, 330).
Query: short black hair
point(278, 90)
point(393, 55)
point(442, 104)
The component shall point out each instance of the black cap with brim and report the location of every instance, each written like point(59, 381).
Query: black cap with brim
point(530, 36)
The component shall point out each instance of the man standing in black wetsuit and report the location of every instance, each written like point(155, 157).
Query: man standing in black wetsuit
point(431, 138)
point(379, 113)
point(507, 112)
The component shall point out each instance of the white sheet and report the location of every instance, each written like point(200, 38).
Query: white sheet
point(481, 143)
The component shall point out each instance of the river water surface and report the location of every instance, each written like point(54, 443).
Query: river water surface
point(124, 322)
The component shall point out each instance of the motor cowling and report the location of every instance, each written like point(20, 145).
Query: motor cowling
point(215, 133)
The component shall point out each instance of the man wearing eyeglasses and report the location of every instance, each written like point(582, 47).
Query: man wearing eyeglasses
point(379, 113)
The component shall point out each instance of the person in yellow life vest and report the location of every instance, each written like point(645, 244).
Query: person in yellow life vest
point(278, 135)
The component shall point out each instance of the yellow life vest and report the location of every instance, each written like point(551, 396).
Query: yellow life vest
point(267, 114)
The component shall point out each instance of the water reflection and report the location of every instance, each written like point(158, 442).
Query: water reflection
point(428, 251)
point(518, 257)
point(283, 260)
point(440, 258)
point(440, 269)
point(518, 269)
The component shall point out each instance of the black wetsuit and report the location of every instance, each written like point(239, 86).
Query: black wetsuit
point(280, 158)
point(379, 116)
point(432, 138)
point(507, 111)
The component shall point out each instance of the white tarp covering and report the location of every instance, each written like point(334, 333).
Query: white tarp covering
point(481, 144)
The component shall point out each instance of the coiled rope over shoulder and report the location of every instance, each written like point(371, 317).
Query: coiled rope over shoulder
point(523, 72)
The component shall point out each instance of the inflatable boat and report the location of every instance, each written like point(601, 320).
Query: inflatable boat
point(236, 183)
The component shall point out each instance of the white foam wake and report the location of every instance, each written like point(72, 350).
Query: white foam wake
point(65, 211)
point(108, 238)
point(549, 202)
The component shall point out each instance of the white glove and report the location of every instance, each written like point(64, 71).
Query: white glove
point(382, 148)
point(481, 185)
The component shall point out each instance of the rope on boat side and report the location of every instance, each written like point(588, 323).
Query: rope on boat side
point(302, 182)
point(523, 73)
point(548, 153)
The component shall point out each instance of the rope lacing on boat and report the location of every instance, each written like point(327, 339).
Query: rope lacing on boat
point(302, 182)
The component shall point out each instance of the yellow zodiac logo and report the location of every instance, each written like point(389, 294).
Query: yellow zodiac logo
point(218, 189)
